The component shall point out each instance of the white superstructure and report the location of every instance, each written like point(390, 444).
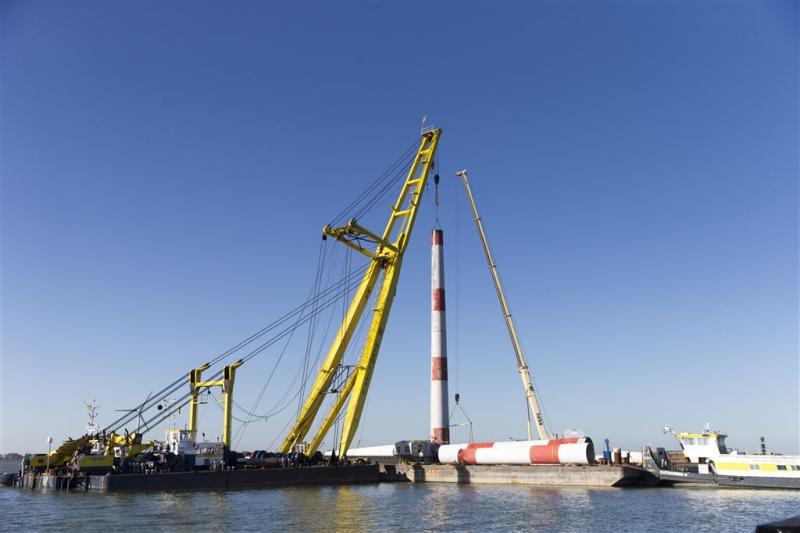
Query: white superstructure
point(710, 452)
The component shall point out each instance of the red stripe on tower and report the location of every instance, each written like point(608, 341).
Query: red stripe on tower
point(441, 434)
point(438, 300)
point(439, 368)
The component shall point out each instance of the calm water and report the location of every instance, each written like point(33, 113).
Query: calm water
point(401, 506)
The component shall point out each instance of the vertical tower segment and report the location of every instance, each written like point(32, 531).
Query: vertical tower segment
point(440, 420)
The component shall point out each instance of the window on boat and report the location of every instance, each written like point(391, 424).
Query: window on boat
point(781, 467)
point(721, 445)
point(754, 467)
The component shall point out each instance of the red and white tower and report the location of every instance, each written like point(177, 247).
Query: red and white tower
point(440, 418)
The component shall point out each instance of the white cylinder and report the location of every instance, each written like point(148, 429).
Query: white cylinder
point(440, 419)
point(579, 453)
point(503, 455)
point(448, 453)
point(575, 451)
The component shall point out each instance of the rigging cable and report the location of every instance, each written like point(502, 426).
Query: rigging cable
point(313, 291)
point(364, 194)
point(312, 325)
point(377, 189)
point(180, 381)
point(309, 368)
point(331, 300)
point(253, 416)
point(457, 280)
point(396, 178)
point(275, 410)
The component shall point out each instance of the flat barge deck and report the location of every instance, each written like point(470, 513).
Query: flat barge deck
point(206, 480)
point(563, 475)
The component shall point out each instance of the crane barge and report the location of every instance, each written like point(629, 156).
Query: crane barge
point(182, 461)
point(109, 451)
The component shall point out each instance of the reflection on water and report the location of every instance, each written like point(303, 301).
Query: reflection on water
point(402, 506)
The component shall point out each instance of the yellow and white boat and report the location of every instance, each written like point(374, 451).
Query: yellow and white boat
point(707, 459)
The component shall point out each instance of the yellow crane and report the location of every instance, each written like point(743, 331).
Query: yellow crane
point(522, 364)
point(385, 259)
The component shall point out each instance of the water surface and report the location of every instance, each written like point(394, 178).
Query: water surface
point(402, 507)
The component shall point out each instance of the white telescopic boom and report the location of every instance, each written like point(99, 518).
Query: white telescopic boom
point(522, 365)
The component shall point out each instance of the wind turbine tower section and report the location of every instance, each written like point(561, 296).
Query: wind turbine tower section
point(440, 419)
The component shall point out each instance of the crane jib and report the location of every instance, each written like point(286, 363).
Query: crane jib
point(522, 365)
point(381, 279)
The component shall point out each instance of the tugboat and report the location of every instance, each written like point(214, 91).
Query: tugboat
point(705, 458)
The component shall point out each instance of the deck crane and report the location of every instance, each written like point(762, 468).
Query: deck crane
point(522, 365)
point(385, 259)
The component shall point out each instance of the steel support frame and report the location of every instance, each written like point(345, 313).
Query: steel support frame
point(196, 384)
point(386, 259)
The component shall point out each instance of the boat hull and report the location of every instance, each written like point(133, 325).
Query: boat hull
point(207, 480)
point(752, 482)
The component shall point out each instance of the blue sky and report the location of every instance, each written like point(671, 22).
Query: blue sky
point(167, 167)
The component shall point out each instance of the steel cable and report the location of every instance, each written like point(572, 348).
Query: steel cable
point(364, 194)
point(175, 385)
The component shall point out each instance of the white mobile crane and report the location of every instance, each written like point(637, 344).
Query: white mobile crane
point(522, 365)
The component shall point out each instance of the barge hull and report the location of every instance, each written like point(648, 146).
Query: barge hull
point(208, 480)
point(556, 475)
